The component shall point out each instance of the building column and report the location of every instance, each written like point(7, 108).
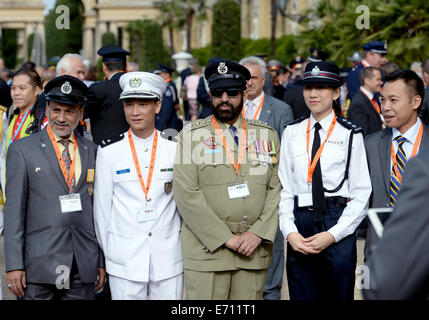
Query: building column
point(41, 31)
point(88, 44)
point(29, 29)
point(113, 28)
point(125, 39)
point(100, 30)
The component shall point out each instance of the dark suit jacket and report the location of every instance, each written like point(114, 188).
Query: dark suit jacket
point(105, 110)
point(377, 148)
point(38, 237)
point(295, 98)
point(424, 109)
point(276, 114)
point(363, 114)
point(353, 82)
point(399, 266)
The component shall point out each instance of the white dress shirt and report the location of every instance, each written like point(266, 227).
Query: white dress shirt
point(410, 135)
point(256, 102)
point(293, 171)
point(131, 247)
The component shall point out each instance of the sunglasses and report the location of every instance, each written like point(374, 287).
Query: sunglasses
point(231, 92)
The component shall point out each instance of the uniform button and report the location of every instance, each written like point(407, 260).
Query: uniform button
point(146, 166)
point(150, 234)
point(146, 149)
point(243, 174)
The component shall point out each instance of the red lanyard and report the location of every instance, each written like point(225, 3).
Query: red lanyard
point(413, 153)
point(312, 164)
point(137, 165)
point(68, 177)
point(258, 110)
point(226, 147)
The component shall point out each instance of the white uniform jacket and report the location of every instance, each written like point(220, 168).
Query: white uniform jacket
point(293, 172)
point(132, 248)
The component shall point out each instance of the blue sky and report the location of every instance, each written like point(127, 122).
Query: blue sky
point(49, 5)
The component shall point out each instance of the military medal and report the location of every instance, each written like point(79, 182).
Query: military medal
point(90, 190)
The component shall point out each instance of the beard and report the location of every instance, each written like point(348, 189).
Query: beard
point(229, 114)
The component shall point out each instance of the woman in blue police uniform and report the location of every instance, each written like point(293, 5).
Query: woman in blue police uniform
point(326, 186)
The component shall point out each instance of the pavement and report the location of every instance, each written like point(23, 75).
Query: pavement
point(284, 293)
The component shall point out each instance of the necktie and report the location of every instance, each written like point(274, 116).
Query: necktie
point(401, 159)
point(233, 131)
point(317, 183)
point(67, 161)
point(375, 104)
point(250, 109)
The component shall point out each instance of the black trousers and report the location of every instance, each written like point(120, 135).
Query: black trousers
point(77, 289)
point(329, 275)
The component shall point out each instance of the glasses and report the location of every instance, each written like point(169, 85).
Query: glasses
point(231, 92)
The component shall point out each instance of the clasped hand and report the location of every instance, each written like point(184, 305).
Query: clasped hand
point(245, 243)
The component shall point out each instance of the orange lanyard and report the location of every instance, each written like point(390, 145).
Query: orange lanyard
point(258, 110)
point(168, 80)
point(67, 177)
point(136, 162)
point(365, 64)
point(413, 153)
point(312, 165)
point(376, 106)
point(226, 147)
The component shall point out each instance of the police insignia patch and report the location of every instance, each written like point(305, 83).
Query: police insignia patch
point(135, 82)
point(211, 143)
point(66, 88)
point(168, 186)
point(222, 68)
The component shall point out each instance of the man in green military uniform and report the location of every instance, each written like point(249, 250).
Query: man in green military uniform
point(227, 189)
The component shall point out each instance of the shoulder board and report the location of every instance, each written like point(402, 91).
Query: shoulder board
point(169, 134)
point(348, 125)
point(200, 123)
point(111, 140)
point(259, 123)
point(4, 109)
point(298, 120)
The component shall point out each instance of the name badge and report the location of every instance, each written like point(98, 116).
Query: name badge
point(146, 214)
point(305, 200)
point(70, 203)
point(240, 190)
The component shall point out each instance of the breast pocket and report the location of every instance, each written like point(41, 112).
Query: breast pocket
point(216, 174)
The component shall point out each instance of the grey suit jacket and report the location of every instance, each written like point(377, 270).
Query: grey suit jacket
point(38, 237)
point(399, 265)
point(276, 113)
point(377, 146)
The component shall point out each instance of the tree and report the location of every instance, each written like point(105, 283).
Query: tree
point(108, 38)
point(147, 47)
point(404, 24)
point(226, 30)
point(172, 17)
point(9, 45)
point(62, 41)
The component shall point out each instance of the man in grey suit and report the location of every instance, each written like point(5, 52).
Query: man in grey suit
point(276, 114)
point(399, 266)
point(50, 247)
point(401, 99)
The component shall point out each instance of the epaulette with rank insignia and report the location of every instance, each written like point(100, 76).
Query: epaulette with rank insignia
point(200, 123)
point(347, 124)
point(169, 134)
point(111, 140)
point(259, 123)
point(297, 120)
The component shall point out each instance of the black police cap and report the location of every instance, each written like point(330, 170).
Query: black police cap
point(226, 74)
point(164, 68)
point(113, 53)
point(321, 73)
point(66, 89)
point(317, 55)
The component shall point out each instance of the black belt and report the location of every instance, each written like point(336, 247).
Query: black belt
point(337, 201)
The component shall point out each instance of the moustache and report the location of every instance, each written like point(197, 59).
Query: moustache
point(62, 123)
point(226, 103)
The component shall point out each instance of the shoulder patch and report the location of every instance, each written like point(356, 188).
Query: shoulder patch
point(111, 140)
point(168, 92)
point(349, 125)
point(169, 134)
point(297, 120)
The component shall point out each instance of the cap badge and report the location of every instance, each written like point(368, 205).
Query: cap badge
point(385, 45)
point(315, 53)
point(66, 88)
point(222, 68)
point(135, 82)
point(315, 71)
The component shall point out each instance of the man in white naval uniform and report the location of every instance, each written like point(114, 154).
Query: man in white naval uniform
point(136, 220)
